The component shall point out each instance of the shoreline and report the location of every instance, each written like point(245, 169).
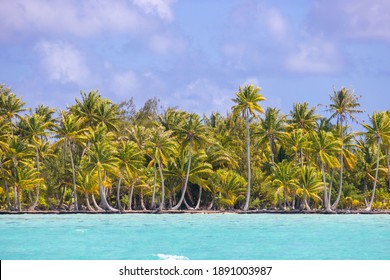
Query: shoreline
point(204, 212)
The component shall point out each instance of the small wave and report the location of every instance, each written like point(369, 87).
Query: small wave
point(170, 257)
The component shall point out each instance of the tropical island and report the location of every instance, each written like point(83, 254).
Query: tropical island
point(100, 157)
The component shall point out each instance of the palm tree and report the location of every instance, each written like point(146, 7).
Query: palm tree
point(297, 144)
point(69, 133)
point(87, 183)
point(86, 109)
point(378, 131)
point(284, 177)
point(131, 159)
point(197, 175)
point(108, 113)
point(231, 188)
point(272, 128)
point(343, 107)
point(161, 146)
point(18, 156)
point(10, 106)
point(301, 117)
point(247, 100)
point(5, 135)
point(102, 159)
point(36, 130)
point(310, 185)
point(325, 148)
point(193, 134)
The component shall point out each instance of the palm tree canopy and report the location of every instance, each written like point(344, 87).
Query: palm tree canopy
point(344, 105)
point(247, 101)
point(326, 148)
point(302, 117)
point(379, 127)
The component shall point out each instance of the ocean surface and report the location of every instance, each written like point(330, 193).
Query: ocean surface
point(194, 237)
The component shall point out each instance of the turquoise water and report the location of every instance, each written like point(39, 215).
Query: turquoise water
point(195, 237)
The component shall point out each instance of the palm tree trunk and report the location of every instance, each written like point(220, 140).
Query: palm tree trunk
point(103, 199)
point(200, 196)
point(142, 200)
point(95, 204)
point(211, 203)
point(131, 191)
point(326, 204)
point(334, 206)
point(118, 199)
point(272, 151)
point(248, 144)
point(38, 186)
point(186, 181)
point(306, 203)
point(18, 199)
point(162, 204)
point(388, 168)
point(15, 198)
point(152, 206)
point(330, 187)
point(89, 207)
point(376, 176)
point(187, 205)
point(76, 205)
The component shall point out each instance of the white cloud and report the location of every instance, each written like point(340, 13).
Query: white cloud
point(78, 18)
point(315, 57)
point(160, 7)
point(63, 62)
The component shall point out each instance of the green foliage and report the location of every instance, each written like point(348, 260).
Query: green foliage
point(244, 160)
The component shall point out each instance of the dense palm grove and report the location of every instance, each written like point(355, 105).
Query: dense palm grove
point(97, 155)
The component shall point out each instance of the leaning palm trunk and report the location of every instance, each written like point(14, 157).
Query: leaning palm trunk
point(89, 207)
point(183, 192)
point(306, 203)
point(211, 203)
point(376, 176)
point(95, 204)
point(103, 198)
point(200, 196)
point(336, 203)
point(248, 143)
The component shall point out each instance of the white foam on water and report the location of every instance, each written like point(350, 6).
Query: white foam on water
point(171, 257)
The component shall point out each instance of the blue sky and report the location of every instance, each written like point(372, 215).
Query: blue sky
point(195, 54)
